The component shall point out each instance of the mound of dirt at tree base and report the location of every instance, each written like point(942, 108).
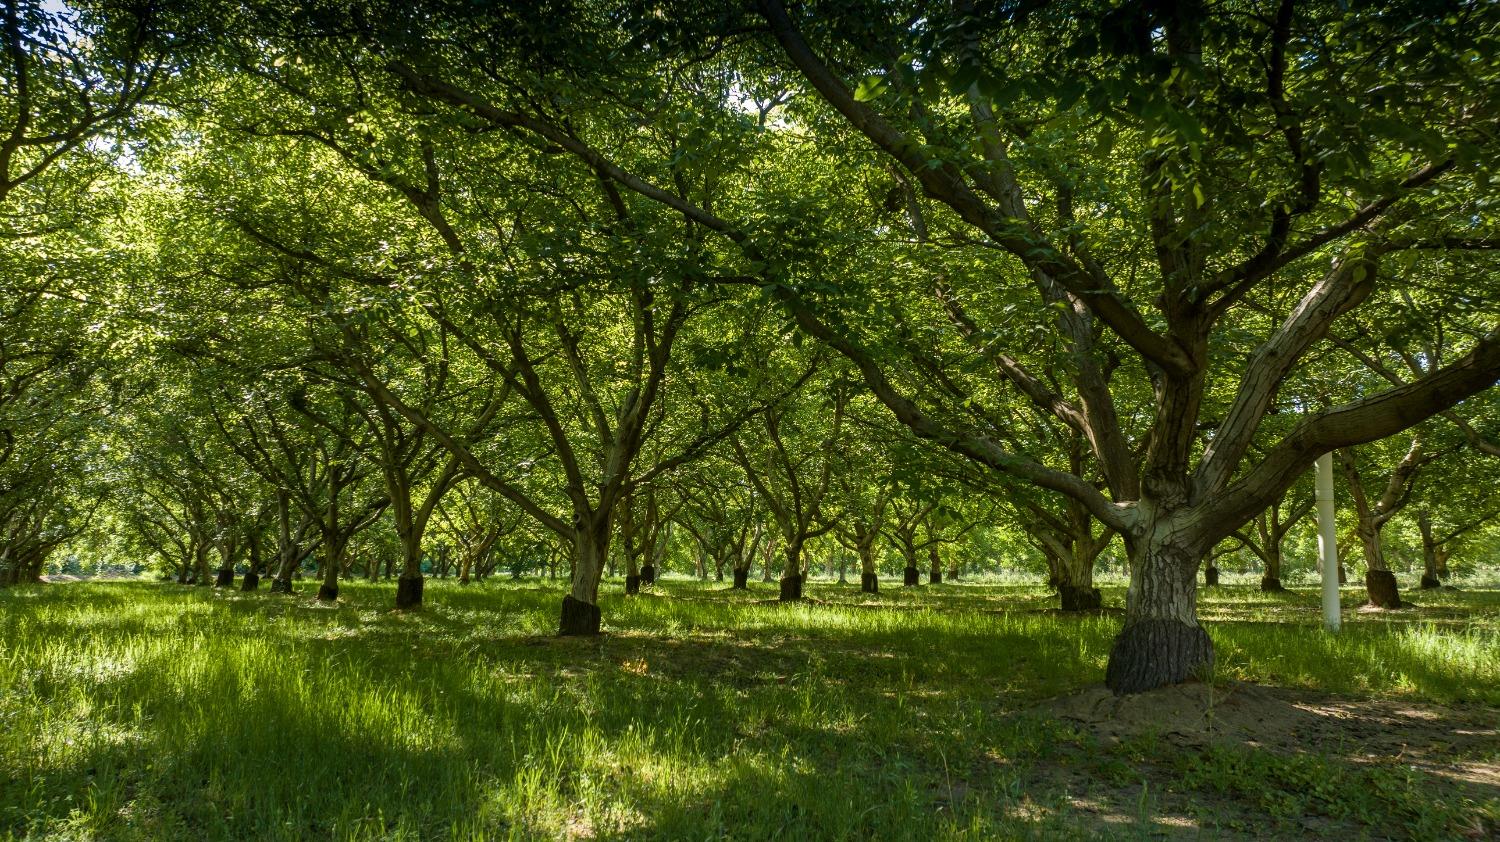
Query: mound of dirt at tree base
point(1433, 738)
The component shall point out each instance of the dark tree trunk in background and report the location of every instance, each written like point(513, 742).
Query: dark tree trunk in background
point(1211, 576)
point(912, 577)
point(1434, 557)
point(1079, 599)
point(648, 574)
point(934, 575)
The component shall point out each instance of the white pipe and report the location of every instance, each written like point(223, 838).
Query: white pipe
point(1328, 550)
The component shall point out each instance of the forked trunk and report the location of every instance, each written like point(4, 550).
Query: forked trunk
point(1161, 643)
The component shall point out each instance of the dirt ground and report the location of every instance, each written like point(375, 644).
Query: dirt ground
point(1456, 747)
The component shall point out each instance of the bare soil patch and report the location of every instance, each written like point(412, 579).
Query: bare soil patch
point(1458, 746)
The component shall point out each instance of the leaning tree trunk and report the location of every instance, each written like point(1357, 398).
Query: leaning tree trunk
point(1161, 643)
point(580, 608)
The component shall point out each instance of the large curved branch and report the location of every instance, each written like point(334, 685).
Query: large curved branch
point(1355, 423)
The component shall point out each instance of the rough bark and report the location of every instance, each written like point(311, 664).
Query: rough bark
point(1381, 585)
point(1080, 599)
point(409, 592)
point(580, 609)
point(791, 588)
point(579, 618)
point(1161, 643)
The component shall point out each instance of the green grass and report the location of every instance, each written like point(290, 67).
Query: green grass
point(133, 710)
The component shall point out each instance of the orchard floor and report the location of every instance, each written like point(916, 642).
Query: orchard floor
point(134, 710)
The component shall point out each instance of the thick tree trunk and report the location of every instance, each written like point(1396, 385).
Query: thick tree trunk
point(910, 576)
point(202, 574)
point(1270, 580)
point(648, 574)
point(1382, 588)
point(411, 584)
point(741, 579)
point(792, 579)
point(335, 549)
point(1075, 579)
point(1161, 643)
point(869, 580)
point(580, 609)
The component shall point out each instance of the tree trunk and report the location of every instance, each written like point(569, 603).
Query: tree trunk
point(1161, 643)
point(580, 609)
point(792, 579)
point(1075, 578)
point(869, 580)
point(1432, 554)
point(1211, 575)
point(411, 584)
point(741, 579)
point(935, 574)
point(333, 562)
point(1270, 580)
point(911, 577)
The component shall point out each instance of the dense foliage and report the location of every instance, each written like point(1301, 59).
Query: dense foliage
point(394, 290)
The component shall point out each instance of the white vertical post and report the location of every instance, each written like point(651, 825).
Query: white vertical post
point(1328, 550)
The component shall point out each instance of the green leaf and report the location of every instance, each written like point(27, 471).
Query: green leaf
point(870, 88)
